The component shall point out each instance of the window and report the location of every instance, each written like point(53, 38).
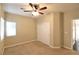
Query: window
point(10, 28)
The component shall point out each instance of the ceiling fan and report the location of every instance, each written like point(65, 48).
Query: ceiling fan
point(36, 10)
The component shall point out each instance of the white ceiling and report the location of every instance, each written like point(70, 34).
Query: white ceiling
point(51, 7)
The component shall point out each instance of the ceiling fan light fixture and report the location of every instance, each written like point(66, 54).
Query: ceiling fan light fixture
point(35, 13)
point(36, 10)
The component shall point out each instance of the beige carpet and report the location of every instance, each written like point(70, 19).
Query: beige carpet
point(37, 48)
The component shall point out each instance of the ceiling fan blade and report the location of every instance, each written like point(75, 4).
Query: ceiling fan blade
point(41, 13)
point(31, 5)
point(27, 10)
point(36, 6)
point(43, 8)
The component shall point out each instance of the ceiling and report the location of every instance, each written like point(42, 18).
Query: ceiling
point(51, 7)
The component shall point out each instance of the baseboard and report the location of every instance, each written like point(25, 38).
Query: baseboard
point(49, 45)
point(18, 44)
point(53, 47)
point(67, 47)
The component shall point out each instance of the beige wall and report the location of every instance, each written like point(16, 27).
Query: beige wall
point(62, 29)
point(25, 29)
point(1, 39)
point(68, 17)
point(57, 30)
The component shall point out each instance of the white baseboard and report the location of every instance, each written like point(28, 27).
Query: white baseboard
point(50, 45)
point(18, 44)
point(32, 41)
point(53, 47)
point(67, 47)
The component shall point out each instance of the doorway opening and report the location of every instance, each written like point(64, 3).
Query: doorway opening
point(76, 35)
